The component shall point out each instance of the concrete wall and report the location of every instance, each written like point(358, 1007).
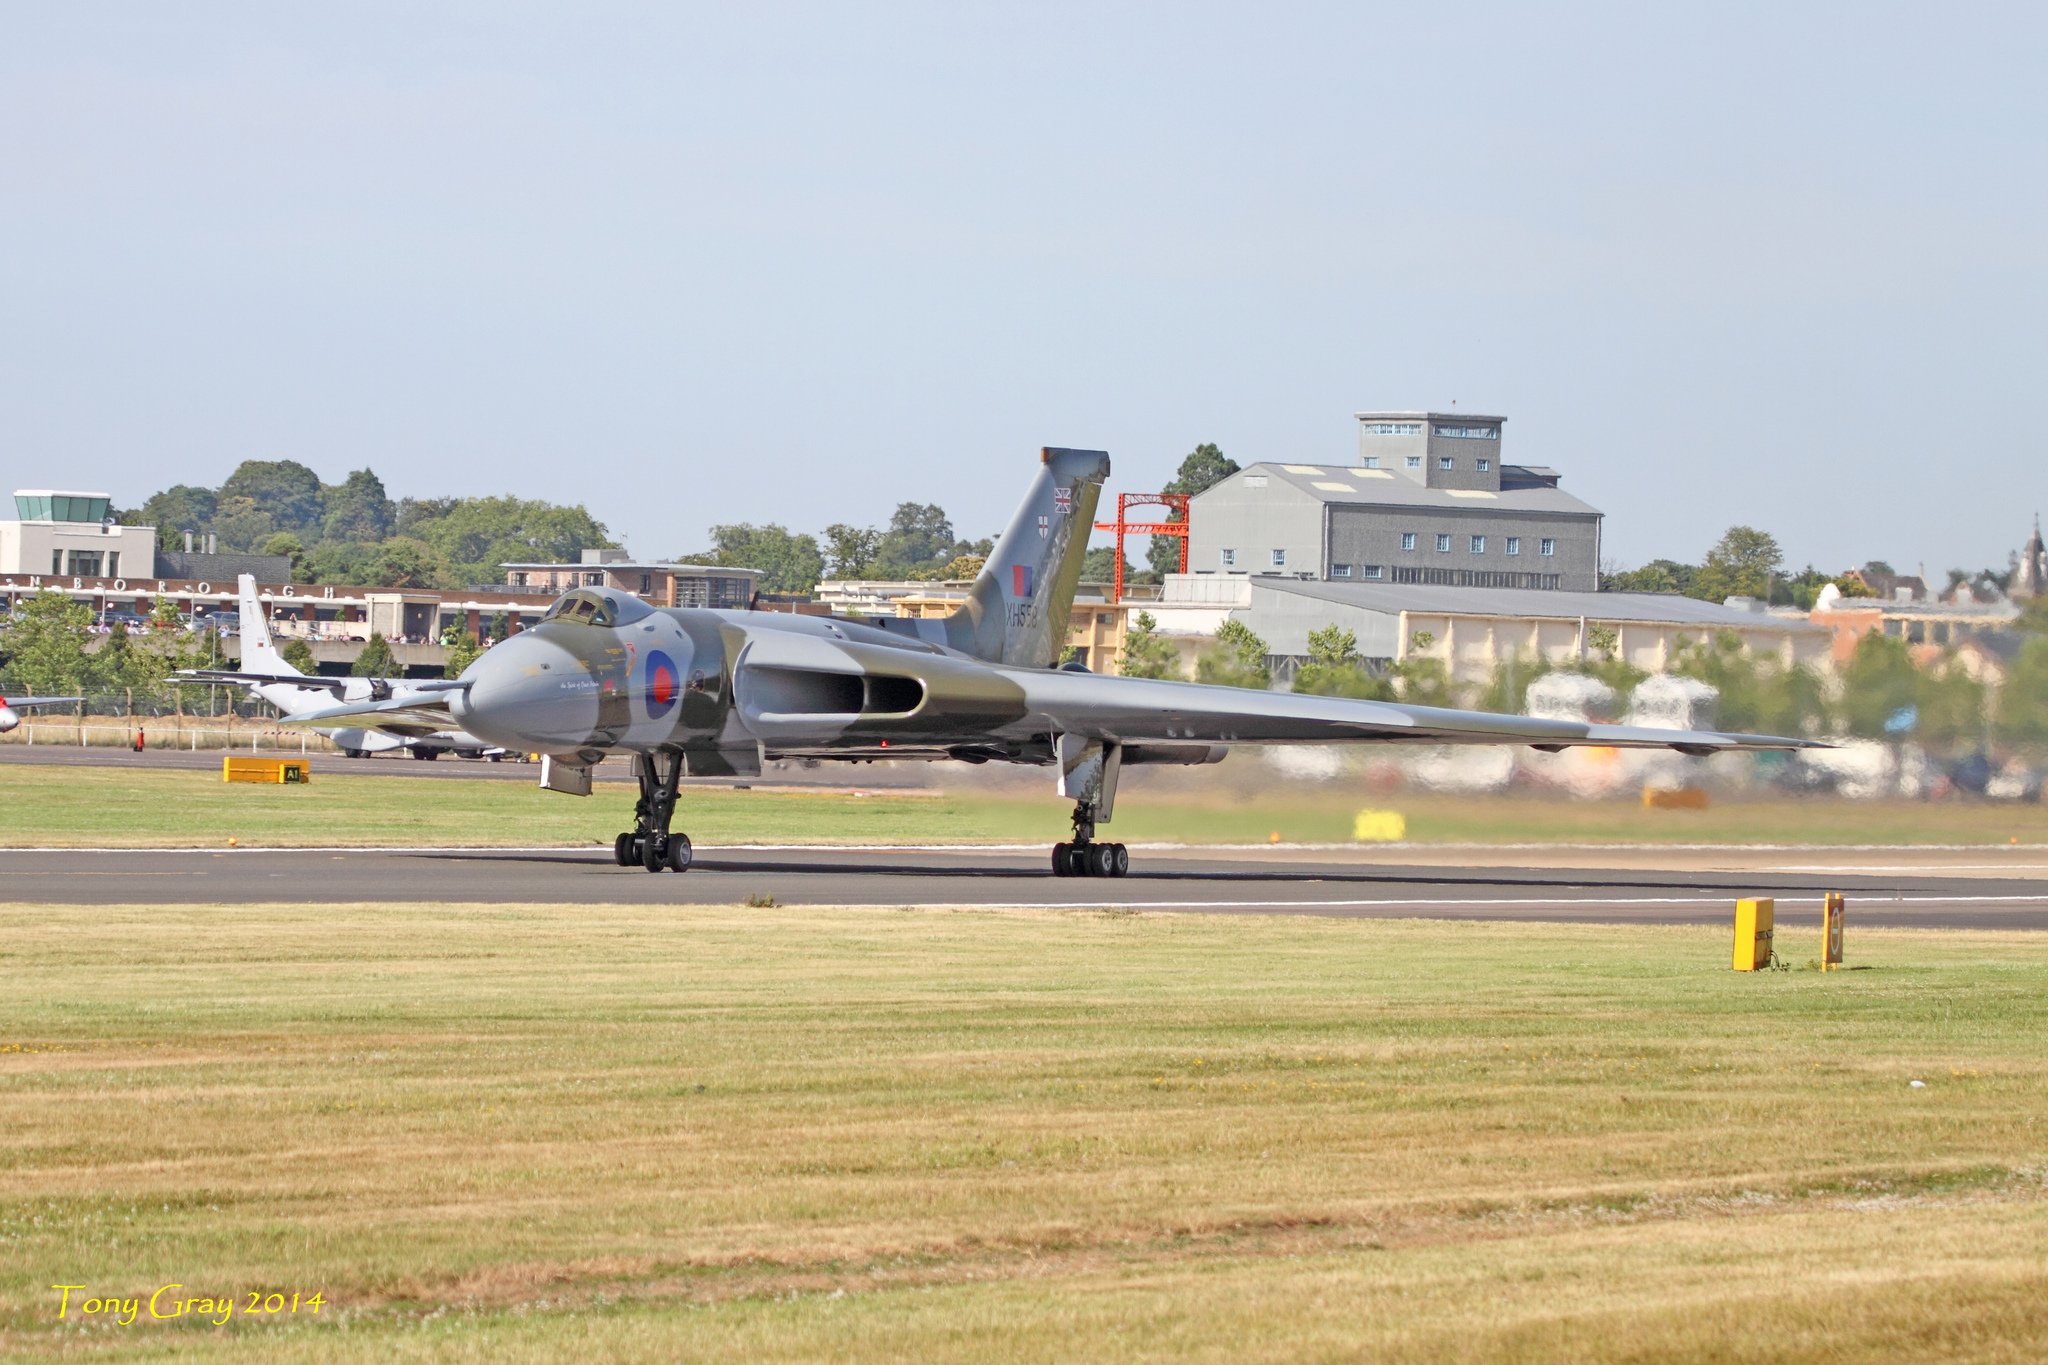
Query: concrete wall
point(25, 547)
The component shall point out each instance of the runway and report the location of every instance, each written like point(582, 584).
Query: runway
point(1265, 882)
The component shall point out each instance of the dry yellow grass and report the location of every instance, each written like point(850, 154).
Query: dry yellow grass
point(540, 1132)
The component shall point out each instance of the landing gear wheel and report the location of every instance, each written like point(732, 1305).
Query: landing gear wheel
point(1101, 860)
point(1077, 860)
point(1123, 860)
point(623, 852)
point(653, 845)
point(1062, 864)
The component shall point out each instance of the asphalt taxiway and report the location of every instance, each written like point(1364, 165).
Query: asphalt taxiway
point(1262, 882)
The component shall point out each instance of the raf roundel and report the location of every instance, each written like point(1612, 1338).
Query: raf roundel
point(662, 684)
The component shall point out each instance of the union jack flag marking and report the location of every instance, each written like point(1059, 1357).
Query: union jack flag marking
point(1063, 500)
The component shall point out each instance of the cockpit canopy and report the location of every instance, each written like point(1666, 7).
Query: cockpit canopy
point(597, 607)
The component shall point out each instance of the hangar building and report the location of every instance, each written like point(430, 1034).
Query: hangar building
point(1429, 502)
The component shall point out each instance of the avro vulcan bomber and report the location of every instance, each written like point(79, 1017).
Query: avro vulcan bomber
point(692, 691)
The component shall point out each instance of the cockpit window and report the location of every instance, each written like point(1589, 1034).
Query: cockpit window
point(597, 607)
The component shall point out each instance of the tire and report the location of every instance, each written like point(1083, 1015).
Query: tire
point(1077, 860)
point(1061, 866)
point(1101, 860)
point(651, 855)
point(679, 853)
point(623, 852)
point(1123, 860)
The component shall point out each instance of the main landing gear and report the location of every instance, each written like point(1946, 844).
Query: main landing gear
point(1083, 857)
point(650, 844)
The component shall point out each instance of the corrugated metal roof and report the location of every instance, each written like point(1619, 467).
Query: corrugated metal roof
point(1650, 607)
point(1346, 485)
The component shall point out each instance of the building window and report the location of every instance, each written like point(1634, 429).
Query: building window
point(1371, 462)
point(1393, 428)
point(1415, 462)
point(1514, 545)
point(1340, 571)
point(56, 561)
point(1374, 571)
point(1446, 462)
point(1485, 465)
point(1279, 559)
point(1407, 540)
point(1230, 559)
point(1443, 542)
point(1479, 545)
point(1546, 546)
point(1470, 433)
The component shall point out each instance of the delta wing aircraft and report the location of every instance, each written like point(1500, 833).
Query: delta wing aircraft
point(267, 674)
point(703, 692)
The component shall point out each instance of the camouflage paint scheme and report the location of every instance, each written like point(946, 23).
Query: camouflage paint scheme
point(606, 674)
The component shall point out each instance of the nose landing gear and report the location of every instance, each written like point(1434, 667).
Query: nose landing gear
point(1083, 857)
point(650, 844)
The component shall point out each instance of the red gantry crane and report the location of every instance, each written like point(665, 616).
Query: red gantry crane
point(1123, 525)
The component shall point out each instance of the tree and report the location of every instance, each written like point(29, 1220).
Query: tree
point(357, 509)
point(1659, 575)
point(476, 536)
point(1424, 681)
point(1146, 654)
point(960, 568)
point(1099, 565)
point(341, 563)
point(501, 628)
point(403, 562)
point(290, 547)
point(789, 563)
point(1878, 681)
point(1238, 659)
point(1741, 564)
point(850, 550)
point(1507, 690)
point(920, 537)
point(1334, 668)
point(299, 654)
point(376, 659)
point(240, 524)
point(283, 490)
point(2022, 717)
point(44, 645)
point(462, 652)
point(1205, 466)
point(176, 510)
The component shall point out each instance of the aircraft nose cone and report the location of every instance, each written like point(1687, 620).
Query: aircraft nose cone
point(526, 693)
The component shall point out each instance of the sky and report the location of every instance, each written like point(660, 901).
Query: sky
point(1778, 264)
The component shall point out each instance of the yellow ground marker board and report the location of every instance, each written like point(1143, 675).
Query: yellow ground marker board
point(1753, 933)
point(293, 772)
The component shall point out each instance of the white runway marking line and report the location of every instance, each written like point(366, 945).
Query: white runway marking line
point(1043, 848)
point(1549, 902)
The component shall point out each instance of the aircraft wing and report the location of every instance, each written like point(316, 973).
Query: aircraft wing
point(311, 681)
point(17, 703)
point(416, 717)
point(1147, 710)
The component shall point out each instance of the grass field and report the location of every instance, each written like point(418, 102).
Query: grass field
point(591, 1131)
point(112, 807)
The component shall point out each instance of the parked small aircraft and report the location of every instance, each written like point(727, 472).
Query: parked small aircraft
point(267, 674)
point(718, 692)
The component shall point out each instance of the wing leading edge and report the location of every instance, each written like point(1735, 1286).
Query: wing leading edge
point(1143, 709)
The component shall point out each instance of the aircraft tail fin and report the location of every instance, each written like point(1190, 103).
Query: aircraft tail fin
point(259, 654)
point(1017, 610)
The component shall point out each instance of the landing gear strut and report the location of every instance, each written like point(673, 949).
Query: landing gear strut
point(1083, 857)
point(650, 844)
